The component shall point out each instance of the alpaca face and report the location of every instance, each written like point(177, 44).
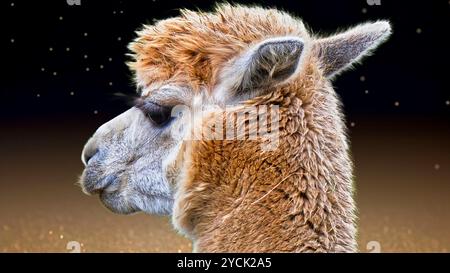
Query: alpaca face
point(136, 161)
point(126, 159)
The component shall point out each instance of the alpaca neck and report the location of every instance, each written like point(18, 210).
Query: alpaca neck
point(260, 223)
point(296, 199)
point(292, 211)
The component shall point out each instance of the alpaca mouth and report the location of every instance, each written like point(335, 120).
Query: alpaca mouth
point(91, 183)
point(108, 190)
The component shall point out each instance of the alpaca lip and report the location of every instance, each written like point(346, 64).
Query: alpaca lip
point(93, 185)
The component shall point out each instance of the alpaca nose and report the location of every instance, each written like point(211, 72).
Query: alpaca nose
point(89, 150)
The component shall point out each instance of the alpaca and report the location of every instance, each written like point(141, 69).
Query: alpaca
point(232, 195)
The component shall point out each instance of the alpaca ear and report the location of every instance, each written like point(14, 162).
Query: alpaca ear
point(340, 51)
point(263, 66)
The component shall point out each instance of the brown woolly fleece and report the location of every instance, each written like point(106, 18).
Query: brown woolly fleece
point(231, 195)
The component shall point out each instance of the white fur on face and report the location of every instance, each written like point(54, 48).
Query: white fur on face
point(127, 168)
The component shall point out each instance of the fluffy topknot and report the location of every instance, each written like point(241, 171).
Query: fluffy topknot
point(193, 47)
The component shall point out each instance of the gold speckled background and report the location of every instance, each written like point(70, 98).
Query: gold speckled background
point(401, 172)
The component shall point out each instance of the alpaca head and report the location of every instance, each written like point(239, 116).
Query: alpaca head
point(234, 56)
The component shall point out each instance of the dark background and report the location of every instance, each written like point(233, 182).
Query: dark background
point(63, 64)
point(41, 38)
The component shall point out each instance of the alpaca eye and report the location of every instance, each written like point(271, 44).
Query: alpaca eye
point(159, 115)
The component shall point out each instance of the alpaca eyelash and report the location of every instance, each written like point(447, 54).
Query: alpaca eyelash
point(158, 114)
point(129, 99)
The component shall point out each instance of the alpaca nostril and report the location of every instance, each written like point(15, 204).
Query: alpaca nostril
point(87, 156)
point(88, 152)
